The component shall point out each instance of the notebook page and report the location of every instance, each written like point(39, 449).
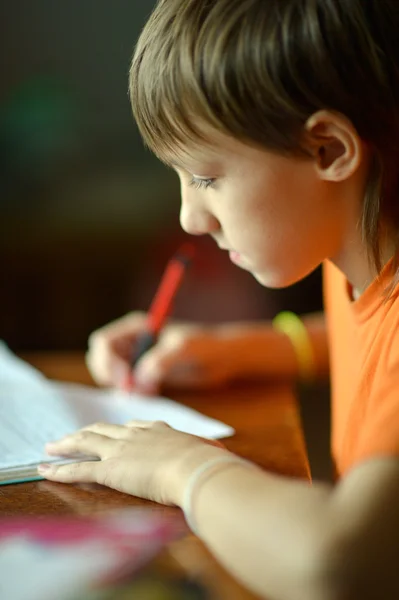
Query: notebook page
point(91, 405)
point(13, 368)
point(30, 416)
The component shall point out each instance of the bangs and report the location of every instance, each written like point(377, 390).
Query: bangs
point(168, 102)
point(168, 116)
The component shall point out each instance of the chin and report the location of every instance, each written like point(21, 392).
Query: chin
point(276, 280)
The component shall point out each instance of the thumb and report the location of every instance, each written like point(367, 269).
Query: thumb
point(109, 370)
point(160, 366)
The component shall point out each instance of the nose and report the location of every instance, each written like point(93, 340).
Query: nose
point(197, 220)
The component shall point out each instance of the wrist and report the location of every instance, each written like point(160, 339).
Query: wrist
point(187, 465)
point(259, 351)
point(207, 470)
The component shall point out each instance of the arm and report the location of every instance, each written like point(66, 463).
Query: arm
point(194, 356)
point(258, 351)
point(288, 540)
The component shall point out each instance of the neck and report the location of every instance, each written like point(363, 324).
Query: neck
point(354, 258)
point(356, 263)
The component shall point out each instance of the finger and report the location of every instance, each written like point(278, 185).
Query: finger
point(155, 367)
point(82, 442)
point(109, 430)
point(108, 356)
point(72, 473)
point(106, 367)
point(146, 424)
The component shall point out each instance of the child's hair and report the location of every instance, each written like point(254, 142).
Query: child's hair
point(258, 69)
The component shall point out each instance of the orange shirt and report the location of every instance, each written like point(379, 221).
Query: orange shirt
point(364, 354)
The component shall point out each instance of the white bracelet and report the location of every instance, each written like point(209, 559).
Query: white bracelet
point(194, 479)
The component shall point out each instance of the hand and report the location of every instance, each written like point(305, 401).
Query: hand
point(145, 459)
point(186, 356)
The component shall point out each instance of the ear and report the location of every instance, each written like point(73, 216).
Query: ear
point(335, 145)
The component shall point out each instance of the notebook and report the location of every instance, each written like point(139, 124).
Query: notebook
point(35, 410)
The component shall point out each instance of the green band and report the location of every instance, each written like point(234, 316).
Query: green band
point(290, 324)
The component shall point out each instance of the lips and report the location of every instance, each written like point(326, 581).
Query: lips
point(235, 257)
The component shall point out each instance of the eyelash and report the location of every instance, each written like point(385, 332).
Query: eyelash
point(201, 183)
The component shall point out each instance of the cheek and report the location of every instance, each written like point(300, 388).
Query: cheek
point(288, 252)
point(276, 227)
point(246, 211)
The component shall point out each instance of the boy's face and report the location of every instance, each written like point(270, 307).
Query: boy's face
point(274, 214)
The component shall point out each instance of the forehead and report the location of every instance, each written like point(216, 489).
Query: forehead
point(212, 147)
point(198, 151)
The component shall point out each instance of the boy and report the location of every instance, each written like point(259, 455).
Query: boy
point(281, 118)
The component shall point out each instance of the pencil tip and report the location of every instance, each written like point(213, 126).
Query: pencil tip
point(186, 253)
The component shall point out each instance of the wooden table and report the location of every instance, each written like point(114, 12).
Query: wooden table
point(269, 433)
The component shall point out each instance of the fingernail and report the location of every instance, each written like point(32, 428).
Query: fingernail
point(128, 383)
point(45, 468)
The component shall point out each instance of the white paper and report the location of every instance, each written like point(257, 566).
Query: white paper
point(35, 410)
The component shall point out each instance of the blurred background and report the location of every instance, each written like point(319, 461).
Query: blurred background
point(88, 216)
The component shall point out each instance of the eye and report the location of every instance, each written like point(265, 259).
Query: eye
point(198, 183)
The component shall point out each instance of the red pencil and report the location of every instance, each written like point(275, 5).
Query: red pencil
point(162, 303)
